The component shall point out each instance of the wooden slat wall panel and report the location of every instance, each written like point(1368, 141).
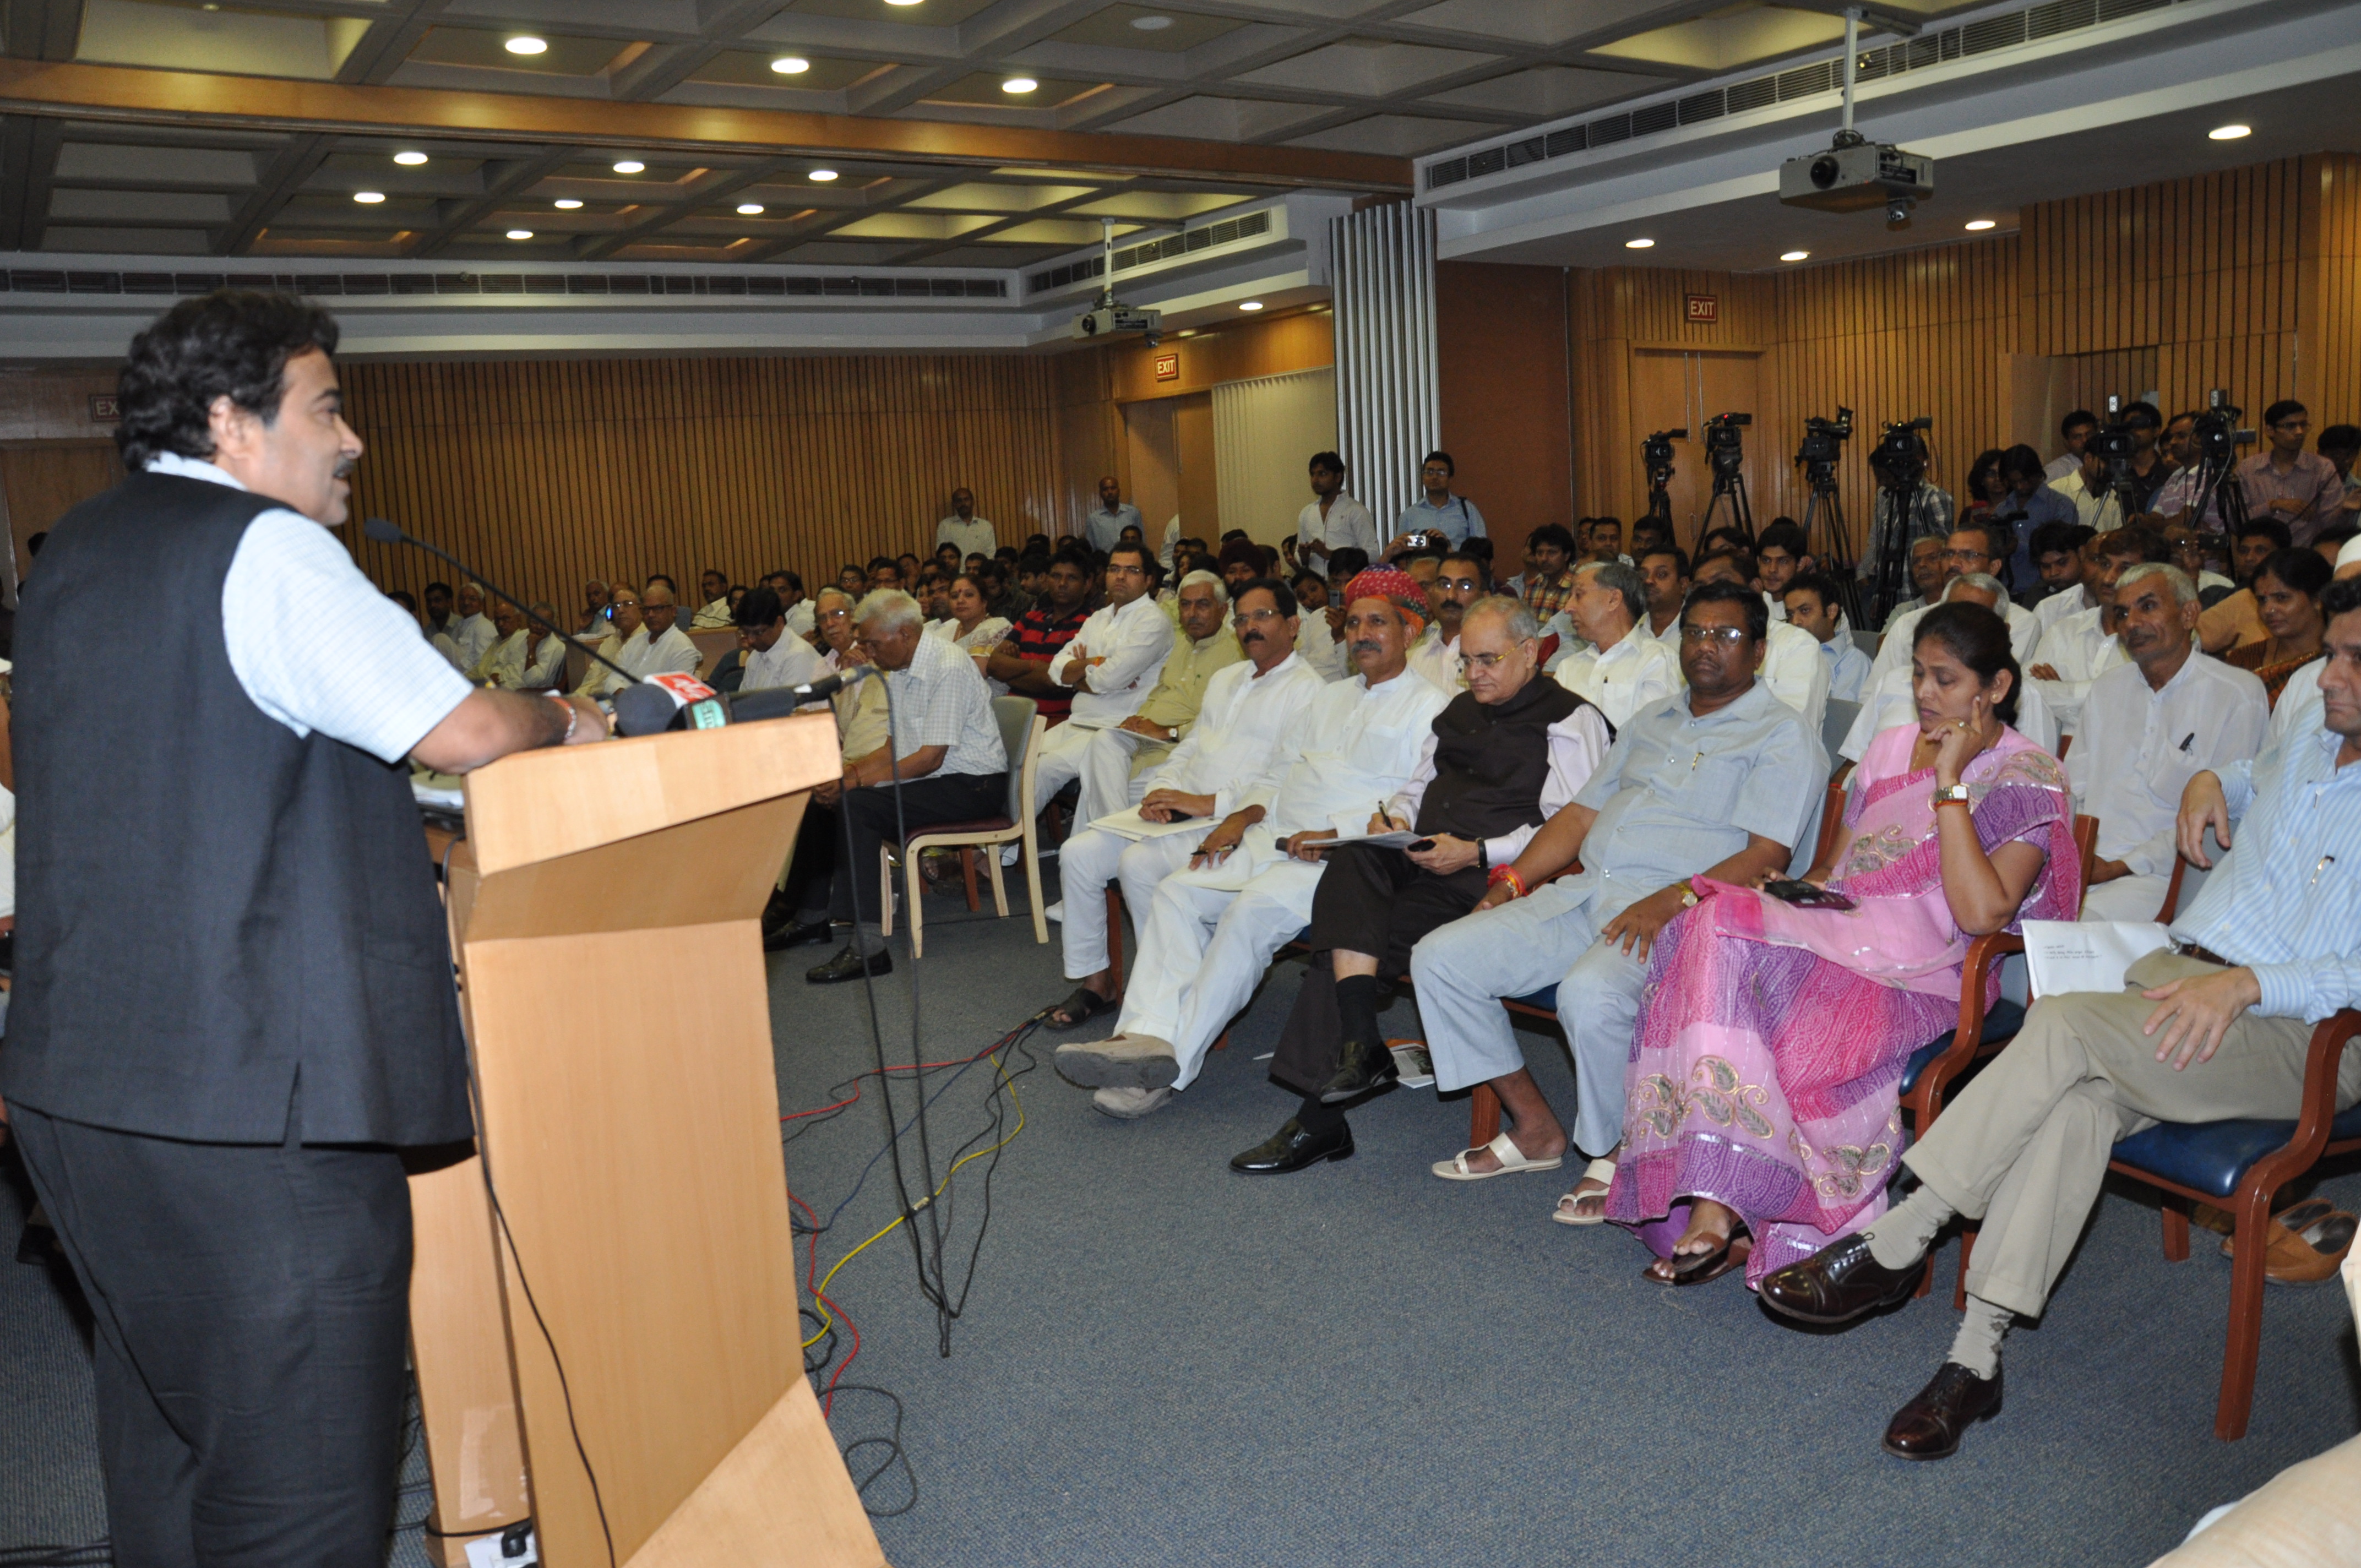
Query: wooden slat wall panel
point(546, 473)
point(2248, 279)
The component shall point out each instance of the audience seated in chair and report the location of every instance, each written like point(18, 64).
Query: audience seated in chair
point(1889, 700)
point(1119, 759)
point(1022, 663)
point(1793, 668)
point(943, 746)
point(713, 611)
point(2080, 645)
point(1459, 581)
point(528, 657)
point(1623, 670)
point(1761, 1091)
point(1722, 780)
point(1107, 668)
point(2148, 726)
point(773, 659)
point(1972, 548)
point(2286, 589)
point(1212, 928)
point(473, 633)
point(1812, 605)
point(1505, 756)
point(1238, 750)
point(624, 625)
point(2217, 1026)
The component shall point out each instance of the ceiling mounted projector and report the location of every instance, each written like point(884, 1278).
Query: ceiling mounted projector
point(1856, 173)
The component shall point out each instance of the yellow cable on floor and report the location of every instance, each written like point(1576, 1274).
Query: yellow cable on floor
point(1000, 1065)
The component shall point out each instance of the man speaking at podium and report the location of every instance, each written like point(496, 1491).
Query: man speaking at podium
point(233, 986)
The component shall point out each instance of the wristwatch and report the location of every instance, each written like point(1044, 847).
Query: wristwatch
point(1172, 732)
point(1955, 796)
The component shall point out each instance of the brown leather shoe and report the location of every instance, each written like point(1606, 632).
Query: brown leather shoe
point(1929, 1427)
point(1837, 1283)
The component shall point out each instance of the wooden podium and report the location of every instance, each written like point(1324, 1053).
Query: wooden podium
point(606, 909)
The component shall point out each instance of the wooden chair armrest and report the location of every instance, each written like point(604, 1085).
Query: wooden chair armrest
point(2328, 1043)
point(1983, 956)
point(2172, 891)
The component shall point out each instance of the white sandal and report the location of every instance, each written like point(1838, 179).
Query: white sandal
point(1601, 1170)
point(1504, 1149)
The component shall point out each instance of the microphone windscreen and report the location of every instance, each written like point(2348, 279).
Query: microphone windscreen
point(645, 711)
point(384, 533)
point(776, 702)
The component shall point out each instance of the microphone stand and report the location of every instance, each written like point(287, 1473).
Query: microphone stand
point(384, 533)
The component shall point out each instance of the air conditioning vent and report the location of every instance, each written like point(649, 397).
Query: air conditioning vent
point(322, 285)
point(1207, 236)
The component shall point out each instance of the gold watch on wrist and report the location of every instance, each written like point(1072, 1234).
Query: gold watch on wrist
point(1956, 794)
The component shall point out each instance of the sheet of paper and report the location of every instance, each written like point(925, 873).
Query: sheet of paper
point(1132, 825)
point(1398, 840)
point(2087, 954)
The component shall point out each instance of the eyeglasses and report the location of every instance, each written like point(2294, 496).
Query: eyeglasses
point(1480, 662)
point(1465, 584)
point(1256, 617)
point(1728, 636)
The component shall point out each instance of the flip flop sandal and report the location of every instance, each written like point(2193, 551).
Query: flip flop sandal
point(1079, 1008)
point(2293, 1218)
point(1504, 1149)
point(1601, 1170)
point(1700, 1269)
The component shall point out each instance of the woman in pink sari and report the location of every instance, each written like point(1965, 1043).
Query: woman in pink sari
point(1762, 1089)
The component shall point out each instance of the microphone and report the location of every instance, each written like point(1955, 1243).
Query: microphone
point(829, 685)
point(385, 533)
point(652, 708)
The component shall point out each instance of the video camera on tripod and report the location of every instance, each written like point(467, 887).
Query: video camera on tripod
point(2217, 436)
point(1824, 517)
point(1823, 440)
point(1656, 455)
point(1901, 454)
point(1724, 447)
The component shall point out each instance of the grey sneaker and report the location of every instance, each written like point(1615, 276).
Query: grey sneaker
point(1130, 1105)
point(1126, 1061)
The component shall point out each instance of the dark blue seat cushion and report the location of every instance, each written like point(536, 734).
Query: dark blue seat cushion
point(2001, 1023)
point(1545, 999)
point(2213, 1156)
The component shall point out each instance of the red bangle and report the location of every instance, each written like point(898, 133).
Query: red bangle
point(1507, 874)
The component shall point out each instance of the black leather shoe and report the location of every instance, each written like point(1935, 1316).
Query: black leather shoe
point(1360, 1066)
point(1292, 1148)
point(1929, 1427)
point(1838, 1284)
point(778, 940)
point(847, 965)
point(780, 911)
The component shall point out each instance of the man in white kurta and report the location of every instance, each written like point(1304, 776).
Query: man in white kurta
point(776, 658)
point(1110, 666)
point(1214, 928)
point(473, 634)
point(1236, 750)
point(1620, 669)
point(658, 647)
point(2079, 646)
point(1972, 550)
point(2148, 726)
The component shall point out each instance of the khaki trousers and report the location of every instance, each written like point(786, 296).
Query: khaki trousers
point(2024, 1146)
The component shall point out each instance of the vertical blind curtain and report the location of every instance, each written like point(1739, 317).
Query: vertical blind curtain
point(1382, 262)
point(1265, 432)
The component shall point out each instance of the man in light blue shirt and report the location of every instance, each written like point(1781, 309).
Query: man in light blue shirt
point(1111, 517)
point(1813, 603)
point(1438, 510)
point(2271, 947)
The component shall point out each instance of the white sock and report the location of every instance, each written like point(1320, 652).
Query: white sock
point(1977, 1345)
point(1904, 1232)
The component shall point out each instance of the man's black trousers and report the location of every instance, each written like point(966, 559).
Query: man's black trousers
point(868, 817)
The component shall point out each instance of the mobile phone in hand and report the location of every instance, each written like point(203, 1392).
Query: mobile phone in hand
point(1804, 895)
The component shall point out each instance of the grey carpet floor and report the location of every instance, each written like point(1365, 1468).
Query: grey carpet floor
point(1161, 1363)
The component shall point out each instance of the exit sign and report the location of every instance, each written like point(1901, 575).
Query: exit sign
point(103, 410)
point(1167, 367)
point(1705, 307)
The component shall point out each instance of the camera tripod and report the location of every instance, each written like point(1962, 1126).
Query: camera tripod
point(1824, 509)
point(1891, 552)
point(1729, 489)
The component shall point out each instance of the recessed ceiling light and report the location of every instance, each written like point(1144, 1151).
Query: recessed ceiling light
point(565, 204)
point(1978, 225)
point(519, 234)
point(900, 2)
point(629, 166)
point(368, 198)
point(1151, 24)
point(2229, 133)
point(823, 175)
point(525, 43)
point(750, 209)
point(791, 65)
point(1186, 332)
point(1638, 244)
point(1019, 84)
point(1249, 304)
point(1794, 255)
point(410, 159)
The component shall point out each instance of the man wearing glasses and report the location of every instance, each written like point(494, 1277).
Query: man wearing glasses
point(1110, 666)
point(1722, 781)
point(2301, 488)
point(1236, 747)
point(1503, 757)
point(1970, 547)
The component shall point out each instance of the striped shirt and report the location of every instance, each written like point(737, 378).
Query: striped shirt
point(2285, 901)
point(316, 645)
point(1040, 632)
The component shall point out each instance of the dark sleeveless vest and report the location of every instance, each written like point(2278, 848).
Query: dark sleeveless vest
point(207, 905)
point(1490, 762)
